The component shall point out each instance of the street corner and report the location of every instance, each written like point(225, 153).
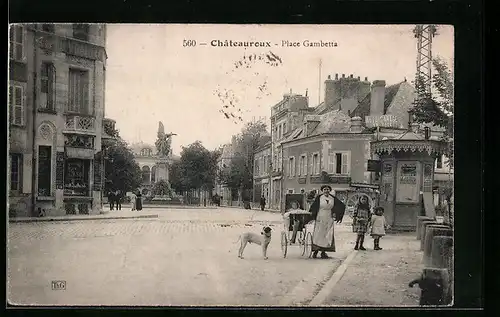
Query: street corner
point(377, 278)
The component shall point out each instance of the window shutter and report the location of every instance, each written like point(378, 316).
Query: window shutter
point(25, 174)
point(18, 113)
point(345, 163)
point(331, 163)
point(87, 107)
point(11, 104)
point(71, 92)
point(311, 167)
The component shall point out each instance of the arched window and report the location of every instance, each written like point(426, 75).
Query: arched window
point(153, 174)
point(146, 152)
point(145, 174)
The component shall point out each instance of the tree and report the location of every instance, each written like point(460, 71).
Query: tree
point(175, 177)
point(239, 174)
point(122, 172)
point(197, 168)
point(437, 109)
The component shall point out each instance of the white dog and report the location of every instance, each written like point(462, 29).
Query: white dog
point(250, 237)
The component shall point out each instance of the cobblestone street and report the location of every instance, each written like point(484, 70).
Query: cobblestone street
point(183, 257)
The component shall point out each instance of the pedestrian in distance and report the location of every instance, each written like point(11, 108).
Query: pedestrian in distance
point(361, 220)
point(325, 210)
point(111, 200)
point(133, 199)
point(262, 203)
point(118, 200)
point(138, 201)
point(378, 225)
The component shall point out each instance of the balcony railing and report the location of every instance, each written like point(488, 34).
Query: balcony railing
point(80, 124)
point(70, 46)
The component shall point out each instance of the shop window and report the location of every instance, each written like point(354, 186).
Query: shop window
point(76, 177)
point(44, 170)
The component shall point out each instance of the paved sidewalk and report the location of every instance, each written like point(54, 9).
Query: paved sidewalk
point(240, 207)
point(105, 215)
point(380, 278)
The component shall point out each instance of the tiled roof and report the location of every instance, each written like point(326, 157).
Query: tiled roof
point(363, 109)
point(339, 122)
point(335, 121)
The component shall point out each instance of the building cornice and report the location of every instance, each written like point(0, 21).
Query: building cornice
point(389, 146)
point(328, 136)
point(59, 43)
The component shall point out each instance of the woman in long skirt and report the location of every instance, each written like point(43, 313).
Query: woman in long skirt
point(325, 210)
point(138, 201)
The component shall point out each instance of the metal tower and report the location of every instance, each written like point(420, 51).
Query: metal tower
point(424, 35)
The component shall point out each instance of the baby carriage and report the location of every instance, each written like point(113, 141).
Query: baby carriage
point(298, 226)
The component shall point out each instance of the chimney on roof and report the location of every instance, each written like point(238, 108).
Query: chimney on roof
point(356, 126)
point(377, 98)
point(306, 91)
point(343, 75)
point(332, 91)
point(350, 76)
point(366, 78)
point(336, 76)
point(359, 78)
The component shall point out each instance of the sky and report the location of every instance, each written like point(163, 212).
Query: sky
point(151, 76)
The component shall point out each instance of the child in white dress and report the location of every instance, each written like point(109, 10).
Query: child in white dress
point(378, 225)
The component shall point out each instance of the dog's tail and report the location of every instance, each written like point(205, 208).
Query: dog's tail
point(239, 238)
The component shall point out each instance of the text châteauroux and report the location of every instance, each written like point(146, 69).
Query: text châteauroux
point(305, 43)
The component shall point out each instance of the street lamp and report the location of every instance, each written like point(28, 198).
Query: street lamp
point(105, 158)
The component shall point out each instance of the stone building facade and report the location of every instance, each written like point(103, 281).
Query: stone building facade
point(56, 116)
point(153, 167)
point(330, 143)
point(262, 167)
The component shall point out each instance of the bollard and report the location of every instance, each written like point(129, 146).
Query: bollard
point(419, 225)
point(442, 253)
point(430, 232)
point(422, 231)
point(435, 287)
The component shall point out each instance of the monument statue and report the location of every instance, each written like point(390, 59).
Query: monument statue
point(163, 142)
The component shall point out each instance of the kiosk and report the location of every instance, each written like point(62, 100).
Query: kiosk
point(407, 169)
